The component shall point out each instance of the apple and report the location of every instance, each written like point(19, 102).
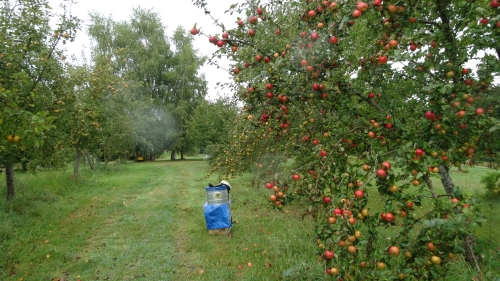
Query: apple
point(393, 43)
point(334, 40)
point(240, 23)
point(392, 8)
point(484, 21)
point(329, 254)
point(413, 47)
point(365, 213)
point(352, 221)
point(394, 251)
point(352, 249)
point(436, 260)
point(419, 152)
point(402, 214)
point(194, 31)
point(337, 211)
point(495, 4)
point(359, 193)
point(251, 32)
point(296, 177)
point(465, 71)
point(356, 14)
point(381, 173)
point(393, 188)
point(461, 114)
point(380, 265)
point(386, 165)
point(332, 220)
point(479, 111)
point(429, 115)
point(253, 20)
point(382, 60)
point(408, 255)
point(412, 20)
point(431, 246)
point(212, 39)
point(327, 199)
point(314, 36)
point(273, 197)
point(371, 95)
point(389, 217)
point(311, 13)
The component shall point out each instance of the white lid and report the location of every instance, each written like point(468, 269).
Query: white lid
point(227, 183)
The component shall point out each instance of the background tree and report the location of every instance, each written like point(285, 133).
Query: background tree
point(30, 77)
point(167, 83)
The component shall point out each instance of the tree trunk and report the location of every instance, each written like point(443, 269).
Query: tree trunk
point(172, 154)
point(9, 178)
point(90, 160)
point(469, 240)
point(105, 158)
point(77, 163)
point(152, 156)
point(24, 165)
point(182, 155)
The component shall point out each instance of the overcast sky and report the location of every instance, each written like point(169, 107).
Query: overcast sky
point(173, 13)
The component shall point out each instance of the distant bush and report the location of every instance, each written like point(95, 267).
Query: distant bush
point(492, 182)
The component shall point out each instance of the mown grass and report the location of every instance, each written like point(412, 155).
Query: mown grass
point(145, 221)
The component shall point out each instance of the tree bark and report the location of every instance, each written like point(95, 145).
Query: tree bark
point(77, 163)
point(469, 240)
point(182, 155)
point(90, 160)
point(172, 154)
point(9, 178)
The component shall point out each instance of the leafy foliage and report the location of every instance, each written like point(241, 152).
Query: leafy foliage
point(365, 95)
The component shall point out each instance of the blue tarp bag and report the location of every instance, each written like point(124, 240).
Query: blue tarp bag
point(217, 209)
point(218, 216)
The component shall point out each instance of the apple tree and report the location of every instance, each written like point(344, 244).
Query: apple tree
point(371, 101)
point(31, 77)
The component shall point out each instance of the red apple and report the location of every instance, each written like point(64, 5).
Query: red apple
point(381, 173)
point(334, 40)
point(359, 194)
point(479, 111)
point(194, 31)
point(394, 251)
point(329, 255)
point(382, 60)
point(431, 246)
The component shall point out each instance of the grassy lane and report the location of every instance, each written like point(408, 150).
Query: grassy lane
point(112, 224)
point(144, 221)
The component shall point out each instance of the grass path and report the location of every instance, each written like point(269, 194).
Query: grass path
point(144, 221)
point(121, 227)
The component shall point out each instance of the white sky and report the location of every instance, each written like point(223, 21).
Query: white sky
point(172, 13)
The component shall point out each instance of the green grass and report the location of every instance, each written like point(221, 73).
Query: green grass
point(145, 221)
